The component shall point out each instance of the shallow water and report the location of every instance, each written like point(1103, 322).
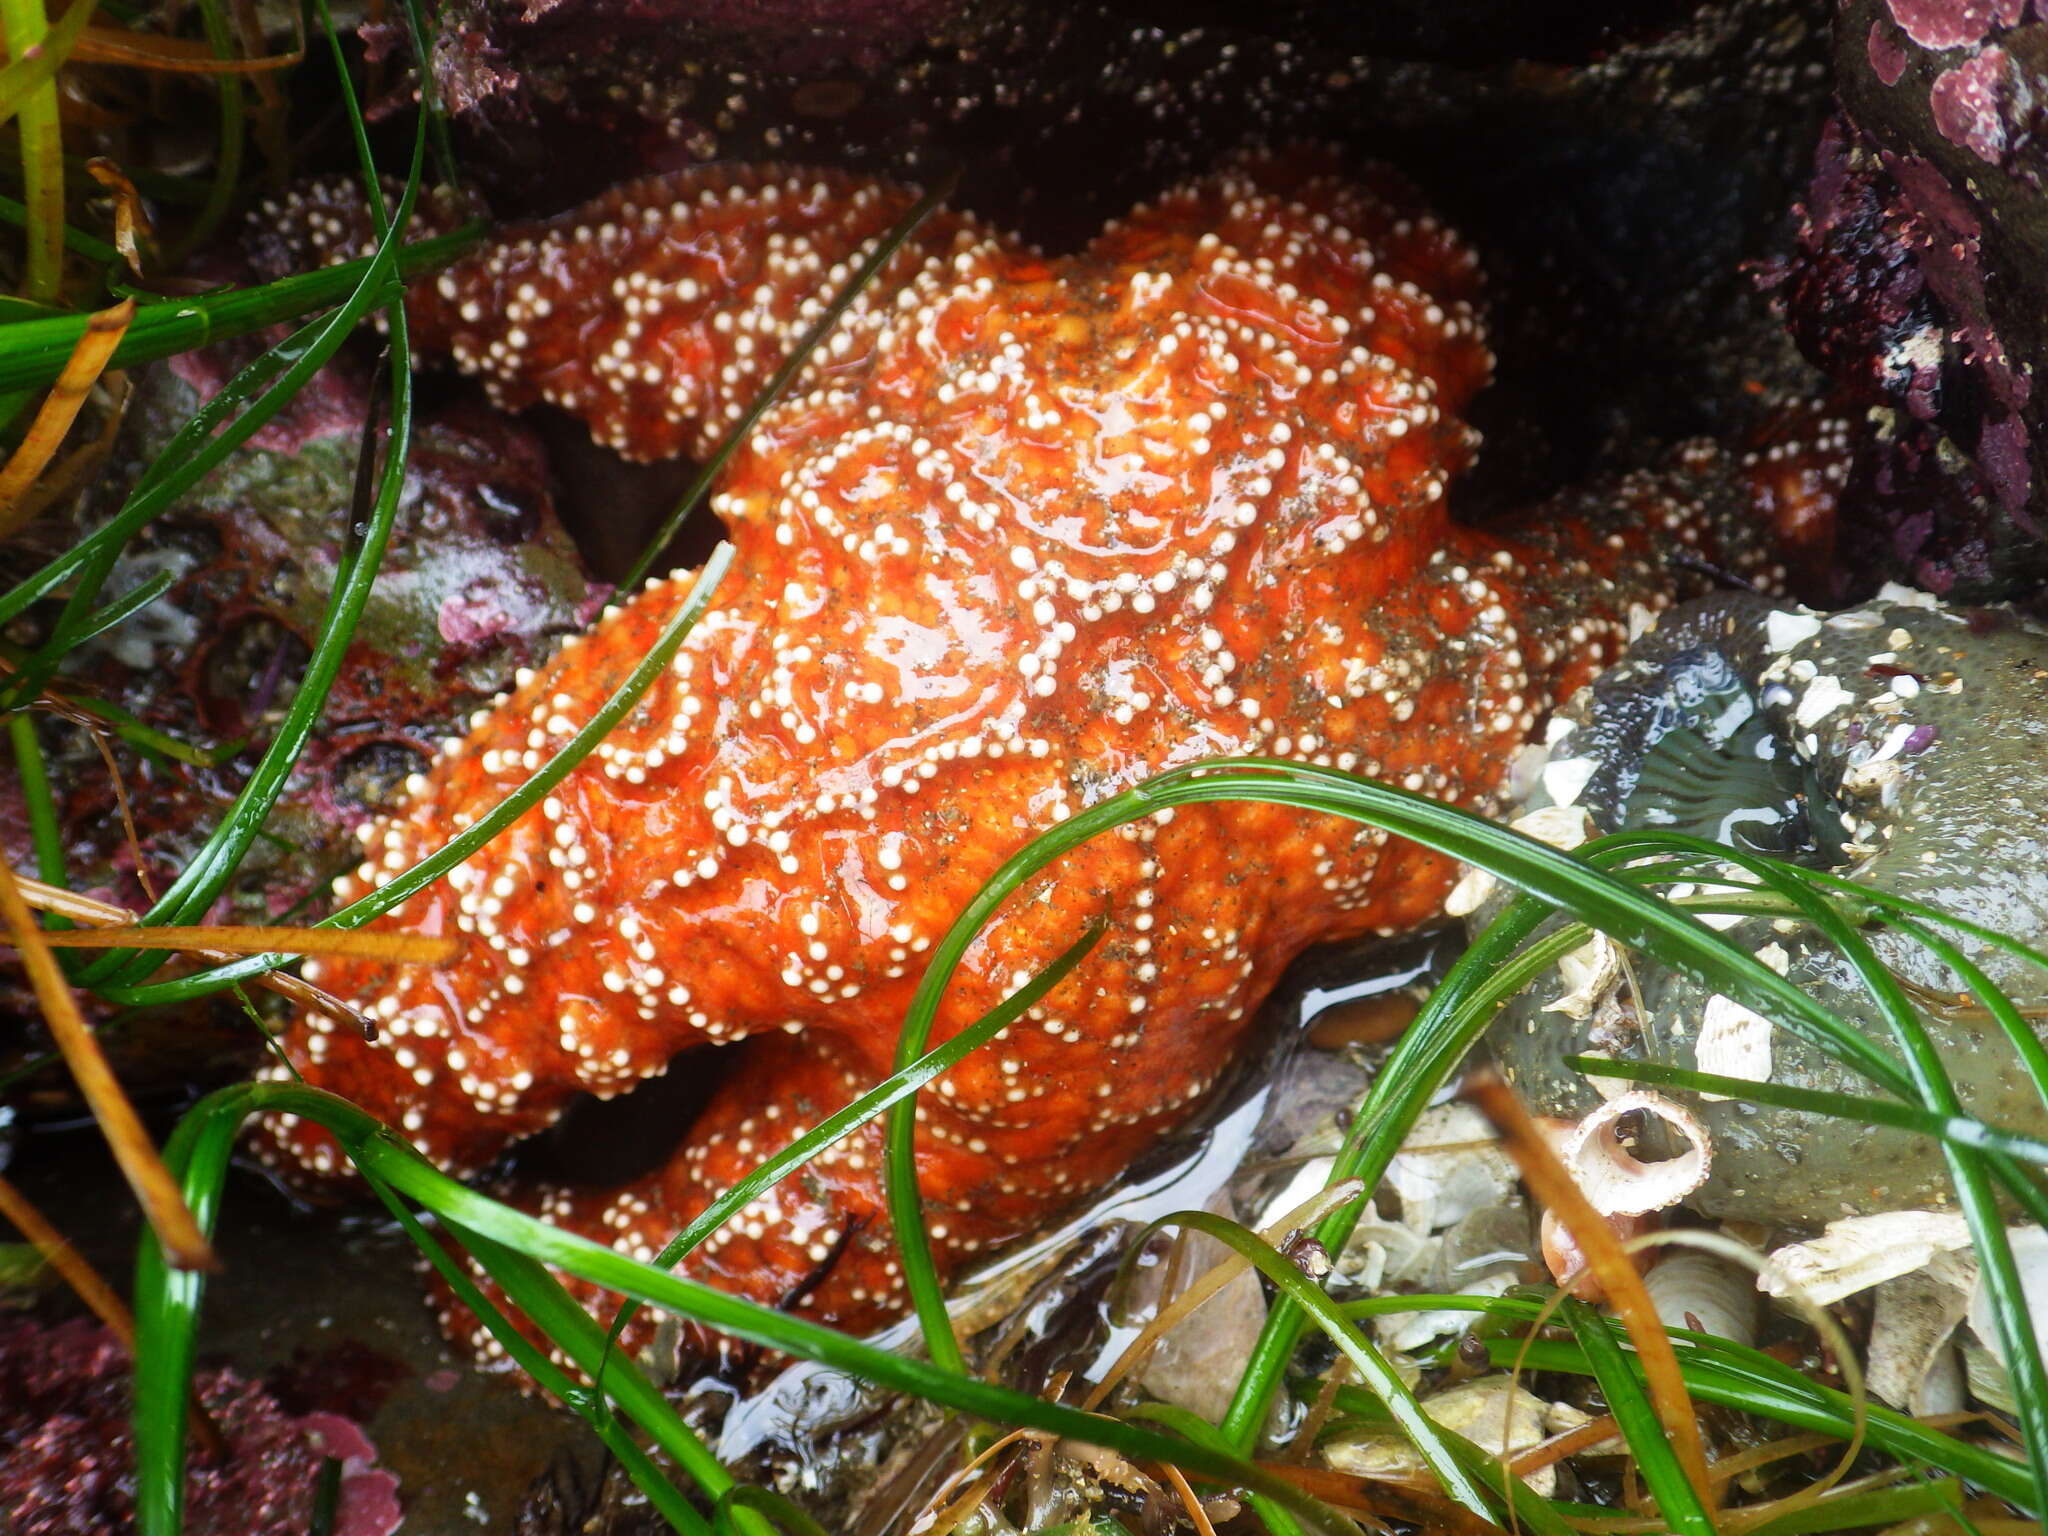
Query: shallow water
point(328, 1310)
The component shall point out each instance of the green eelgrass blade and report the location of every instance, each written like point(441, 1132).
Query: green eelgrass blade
point(1731, 1374)
point(765, 1502)
point(366, 161)
point(209, 871)
point(32, 352)
point(45, 835)
point(501, 816)
point(1379, 1377)
point(446, 167)
point(1802, 1404)
point(233, 134)
point(1960, 1130)
point(1640, 1426)
point(28, 94)
point(1617, 907)
point(834, 1127)
point(791, 366)
point(122, 608)
point(30, 71)
point(1889, 905)
point(166, 1305)
point(167, 1301)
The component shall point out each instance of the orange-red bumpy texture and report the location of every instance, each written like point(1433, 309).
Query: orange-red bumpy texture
point(1028, 530)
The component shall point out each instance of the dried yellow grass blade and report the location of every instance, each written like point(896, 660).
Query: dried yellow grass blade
point(162, 1204)
point(394, 948)
point(1610, 1264)
point(58, 1253)
point(104, 914)
point(1196, 1514)
point(103, 333)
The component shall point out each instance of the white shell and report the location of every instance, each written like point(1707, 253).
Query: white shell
point(1857, 1252)
point(1698, 1290)
point(1911, 1365)
point(1614, 1180)
point(1588, 972)
point(1733, 1041)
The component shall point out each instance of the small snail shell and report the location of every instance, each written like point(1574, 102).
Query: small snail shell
point(1566, 1260)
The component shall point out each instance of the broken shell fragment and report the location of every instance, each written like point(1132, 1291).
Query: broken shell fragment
point(1912, 1365)
point(1857, 1252)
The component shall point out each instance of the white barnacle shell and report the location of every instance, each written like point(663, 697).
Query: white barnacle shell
point(1562, 826)
point(1588, 972)
point(1614, 1179)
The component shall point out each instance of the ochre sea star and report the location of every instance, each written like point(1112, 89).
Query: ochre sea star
point(1027, 531)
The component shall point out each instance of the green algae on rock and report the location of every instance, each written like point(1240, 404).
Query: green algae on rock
point(480, 581)
point(1904, 744)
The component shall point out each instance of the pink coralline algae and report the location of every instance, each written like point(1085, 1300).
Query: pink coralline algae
point(1967, 105)
point(1952, 23)
point(67, 1459)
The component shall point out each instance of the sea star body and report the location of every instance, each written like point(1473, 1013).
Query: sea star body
point(1027, 531)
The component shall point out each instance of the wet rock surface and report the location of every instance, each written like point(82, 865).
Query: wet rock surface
point(1900, 742)
point(479, 580)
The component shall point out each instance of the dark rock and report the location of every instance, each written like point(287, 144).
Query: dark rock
point(1920, 284)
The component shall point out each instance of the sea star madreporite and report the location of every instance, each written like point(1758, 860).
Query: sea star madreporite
point(1027, 531)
